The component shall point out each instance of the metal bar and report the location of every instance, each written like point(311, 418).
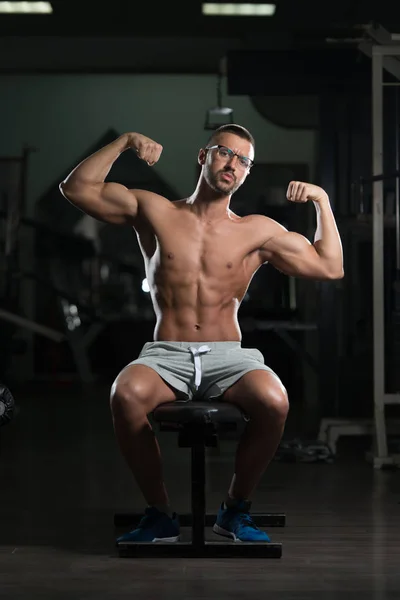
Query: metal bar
point(380, 177)
point(378, 33)
point(91, 334)
point(186, 519)
point(297, 348)
point(52, 334)
point(198, 492)
point(392, 398)
point(251, 324)
point(26, 261)
point(396, 137)
point(390, 64)
point(81, 357)
point(87, 310)
point(378, 257)
point(386, 50)
point(362, 205)
point(24, 179)
point(331, 111)
point(10, 159)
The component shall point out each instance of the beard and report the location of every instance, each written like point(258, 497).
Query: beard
point(219, 184)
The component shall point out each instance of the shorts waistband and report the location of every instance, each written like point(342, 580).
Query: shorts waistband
point(188, 345)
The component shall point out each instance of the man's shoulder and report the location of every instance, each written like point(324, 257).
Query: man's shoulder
point(154, 204)
point(260, 229)
point(148, 196)
point(261, 222)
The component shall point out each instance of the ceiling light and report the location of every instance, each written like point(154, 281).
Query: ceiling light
point(238, 10)
point(26, 7)
point(219, 114)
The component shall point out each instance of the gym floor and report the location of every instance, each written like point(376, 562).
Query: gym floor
point(62, 479)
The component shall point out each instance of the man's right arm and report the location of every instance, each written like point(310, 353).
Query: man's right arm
point(85, 186)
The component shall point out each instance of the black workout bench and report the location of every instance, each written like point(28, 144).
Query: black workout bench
point(199, 424)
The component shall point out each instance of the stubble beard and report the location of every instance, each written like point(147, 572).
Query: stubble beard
point(218, 185)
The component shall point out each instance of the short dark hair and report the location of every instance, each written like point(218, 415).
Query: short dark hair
point(232, 128)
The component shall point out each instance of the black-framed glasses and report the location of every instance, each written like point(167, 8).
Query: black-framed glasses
point(227, 154)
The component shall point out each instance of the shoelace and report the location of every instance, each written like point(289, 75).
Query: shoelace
point(147, 521)
point(245, 519)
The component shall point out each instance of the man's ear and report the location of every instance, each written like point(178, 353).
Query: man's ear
point(201, 159)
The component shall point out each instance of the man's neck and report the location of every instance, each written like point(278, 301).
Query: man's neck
point(208, 204)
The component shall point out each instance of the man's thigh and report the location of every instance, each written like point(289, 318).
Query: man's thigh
point(256, 391)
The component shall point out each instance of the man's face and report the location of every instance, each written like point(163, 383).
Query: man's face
point(224, 172)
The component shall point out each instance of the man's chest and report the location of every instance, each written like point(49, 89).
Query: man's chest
point(181, 245)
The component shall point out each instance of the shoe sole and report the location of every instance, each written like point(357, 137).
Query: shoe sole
point(220, 531)
point(167, 539)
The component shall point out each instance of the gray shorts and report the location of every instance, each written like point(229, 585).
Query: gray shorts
point(204, 369)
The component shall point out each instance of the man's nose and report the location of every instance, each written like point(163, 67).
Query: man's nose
point(231, 159)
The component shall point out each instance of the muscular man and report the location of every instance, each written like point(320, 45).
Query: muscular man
point(200, 258)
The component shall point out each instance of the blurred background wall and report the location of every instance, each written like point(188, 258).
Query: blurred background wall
point(74, 299)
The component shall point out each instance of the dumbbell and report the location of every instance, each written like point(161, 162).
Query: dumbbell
point(7, 405)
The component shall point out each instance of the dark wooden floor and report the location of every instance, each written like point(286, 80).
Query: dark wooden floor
point(62, 479)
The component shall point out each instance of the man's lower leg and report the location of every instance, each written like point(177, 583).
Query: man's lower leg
point(255, 451)
point(141, 450)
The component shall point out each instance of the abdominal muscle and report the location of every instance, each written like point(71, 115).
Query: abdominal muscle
point(195, 313)
point(198, 275)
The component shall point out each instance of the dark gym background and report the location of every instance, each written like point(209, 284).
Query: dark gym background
point(74, 307)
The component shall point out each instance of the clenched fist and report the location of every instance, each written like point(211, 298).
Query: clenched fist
point(146, 149)
point(299, 191)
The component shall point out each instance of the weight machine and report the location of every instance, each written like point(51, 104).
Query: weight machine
point(15, 304)
point(384, 50)
point(380, 54)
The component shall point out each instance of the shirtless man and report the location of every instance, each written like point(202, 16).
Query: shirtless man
point(200, 258)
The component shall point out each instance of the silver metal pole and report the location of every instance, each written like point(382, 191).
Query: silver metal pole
point(378, 257)
point(397, 167)
point(387, 50)
point(25, 323)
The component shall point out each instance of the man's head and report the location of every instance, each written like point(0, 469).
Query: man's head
point(227, 158)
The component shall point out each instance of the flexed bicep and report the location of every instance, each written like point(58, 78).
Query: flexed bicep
point(292, 254)
point(107, 202)
point(86, 188)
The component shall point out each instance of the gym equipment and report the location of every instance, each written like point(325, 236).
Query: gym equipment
point(311, 451)
point(16, 254)
point(332, 429)
point(199, 425)
point(7, 405)
point(384, 50)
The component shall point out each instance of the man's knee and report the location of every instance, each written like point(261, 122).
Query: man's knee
point(129, 395)
point(277, 402)
point(272, 401)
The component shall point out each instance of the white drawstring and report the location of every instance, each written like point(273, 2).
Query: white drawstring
point(197, 352)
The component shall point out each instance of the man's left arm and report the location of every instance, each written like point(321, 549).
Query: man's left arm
point(293, 254)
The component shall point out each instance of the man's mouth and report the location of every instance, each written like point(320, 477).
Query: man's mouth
point(227, 176)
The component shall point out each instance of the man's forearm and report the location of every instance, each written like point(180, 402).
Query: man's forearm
point(96, 167)
point(327, 240)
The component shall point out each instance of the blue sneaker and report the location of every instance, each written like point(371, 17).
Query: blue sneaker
point(237, 524)
point(155, 526)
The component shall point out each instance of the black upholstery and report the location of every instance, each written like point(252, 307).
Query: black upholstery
point(199, 413)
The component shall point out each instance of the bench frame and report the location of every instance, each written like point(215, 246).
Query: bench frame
point(199, 436)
